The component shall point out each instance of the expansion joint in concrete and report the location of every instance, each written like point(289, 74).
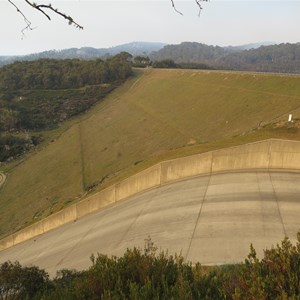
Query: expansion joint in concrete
point(278, 207)
point(144, 207)
point(198, 217)
point(269, 153)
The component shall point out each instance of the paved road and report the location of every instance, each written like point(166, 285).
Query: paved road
point(211, 219)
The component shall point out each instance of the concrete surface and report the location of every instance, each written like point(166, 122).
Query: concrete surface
point(269, 155)
point(211, 219)
point(2, 179)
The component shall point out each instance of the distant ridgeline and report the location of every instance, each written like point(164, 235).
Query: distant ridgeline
point(260, 57)
point(284, 58)
point(37, 95)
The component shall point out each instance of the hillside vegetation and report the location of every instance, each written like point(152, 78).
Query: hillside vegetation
point(282, 58)
point(39, 95)
point(158, 114)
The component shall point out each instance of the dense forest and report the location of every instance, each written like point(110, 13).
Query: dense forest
point(146, 275)
point(191, 52)
point(38, 95)
point(283, 58)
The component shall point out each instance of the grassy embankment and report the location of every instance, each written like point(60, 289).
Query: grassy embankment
point(157, 115)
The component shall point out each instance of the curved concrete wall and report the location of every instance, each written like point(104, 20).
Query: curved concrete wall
point(269, 154)
point(142, 181)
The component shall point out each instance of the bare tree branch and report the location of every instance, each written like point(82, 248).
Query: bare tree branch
point(174, 7)
point(43, 8)
point(27, 22)
point(197, 3)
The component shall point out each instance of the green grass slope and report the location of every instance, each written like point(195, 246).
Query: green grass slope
point(156, 115)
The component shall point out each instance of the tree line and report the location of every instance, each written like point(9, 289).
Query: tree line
point(147, 275)
point(283, 58)
point(63, 74)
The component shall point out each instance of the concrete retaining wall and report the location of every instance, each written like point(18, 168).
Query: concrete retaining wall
point(6, 242)
point(96, 202)
point(62, 217)
point(269, 154)
point(142, 181)
point(249, 156)
point(179, 168)
point(284, 155)
point(28, 232)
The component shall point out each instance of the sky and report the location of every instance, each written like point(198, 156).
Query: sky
point(109, 23)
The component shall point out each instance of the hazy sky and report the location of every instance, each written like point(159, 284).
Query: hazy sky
point(109, 23)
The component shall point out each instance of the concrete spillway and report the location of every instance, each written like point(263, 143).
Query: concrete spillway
point(208, 207)
point(211, 219)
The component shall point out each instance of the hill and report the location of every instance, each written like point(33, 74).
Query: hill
point(284, 58)
point(259, 57)
point(156, 115)
point(134, 48)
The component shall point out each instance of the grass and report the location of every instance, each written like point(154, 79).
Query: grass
point(157, 115)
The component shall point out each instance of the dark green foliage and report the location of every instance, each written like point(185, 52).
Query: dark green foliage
point(190, 52)
point(170, 64)
point(196, 66)
point(141, 61)
point(144, 275)
point(17, 282)
point(63, 74)
point(166, 63)
point(12, 146)
point(276, 276)
point(44, 109)
point(137, 275)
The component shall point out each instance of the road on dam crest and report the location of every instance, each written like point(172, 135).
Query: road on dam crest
point(211, 219)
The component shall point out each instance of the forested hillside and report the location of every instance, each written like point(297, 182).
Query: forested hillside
point(40, 94)
point(283, 58)
point(191, 52)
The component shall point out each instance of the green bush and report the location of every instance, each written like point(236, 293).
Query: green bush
point(146, 275)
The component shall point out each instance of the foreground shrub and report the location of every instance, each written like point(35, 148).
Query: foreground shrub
point(146, 275)
point(17, 282)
